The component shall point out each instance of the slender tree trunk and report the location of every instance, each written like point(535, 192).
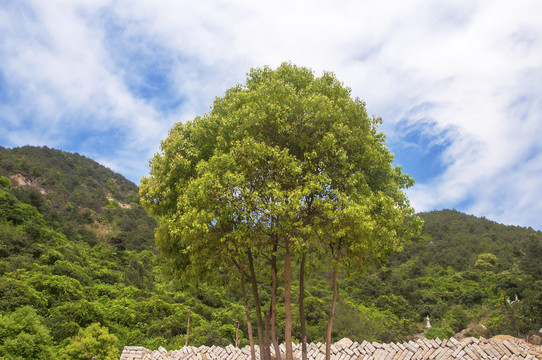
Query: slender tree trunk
point(187, 329)
point(237, 334)
point(257, 303)
point(287, 303)
point(301, 307)
point(267, 335)
point(333, 305)
point(247, 313)
point(274, 300)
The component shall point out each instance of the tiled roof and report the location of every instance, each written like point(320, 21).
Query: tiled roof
point(468, 349)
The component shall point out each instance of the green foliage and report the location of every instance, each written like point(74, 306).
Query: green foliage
point(396, 305)
point(65, 320)
point(461, 270)
point(4, 181)
point(531, 263)
point(457, 319)
point(486, 261)
point(444, 332)
point(15, 293)
point(285, 165)
point(369, 323)
point(62, 271)
point(70, 192)
point(137, 271)
point(94, 340)
point(23, 336)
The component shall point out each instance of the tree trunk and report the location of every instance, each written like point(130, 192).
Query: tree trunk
point(237, 334)
point(274, 301)
point(287, 308)
point(247, 313)
point(259, 320)
point(187, 329)
point(301, 308)
point(267, 334)
point(333, 305)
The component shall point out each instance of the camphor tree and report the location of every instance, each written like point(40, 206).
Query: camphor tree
point(284, 169)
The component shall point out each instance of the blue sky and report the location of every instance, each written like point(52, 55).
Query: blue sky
point(457, 83)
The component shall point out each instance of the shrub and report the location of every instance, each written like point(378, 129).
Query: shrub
point(443, 332)
point(95, 340)
point(23, 336)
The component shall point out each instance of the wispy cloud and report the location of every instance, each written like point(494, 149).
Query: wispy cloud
point(65, 88)
point(457, 83)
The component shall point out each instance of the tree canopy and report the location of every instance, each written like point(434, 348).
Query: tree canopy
point(286, 163)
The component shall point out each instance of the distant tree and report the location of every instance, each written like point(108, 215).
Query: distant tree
point(93, 342)
point(286, 163)
point(16, 293)
point(23, 336)
point(531, 262)
point(486, 261)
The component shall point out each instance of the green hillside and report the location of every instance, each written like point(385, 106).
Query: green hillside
point(465, 271)
point(79, 197)
point(76, 248)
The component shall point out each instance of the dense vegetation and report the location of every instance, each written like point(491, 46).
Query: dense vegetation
point(463, 272)
point(77, 249)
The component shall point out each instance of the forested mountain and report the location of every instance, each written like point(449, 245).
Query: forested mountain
point(79, 197)
point(76, 249)
point(463, 272)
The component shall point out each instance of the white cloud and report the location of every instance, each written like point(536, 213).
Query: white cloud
point(473, 75)
point(67, 84)
point(466, 74)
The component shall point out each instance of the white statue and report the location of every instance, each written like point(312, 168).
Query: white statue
point(428, 325)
